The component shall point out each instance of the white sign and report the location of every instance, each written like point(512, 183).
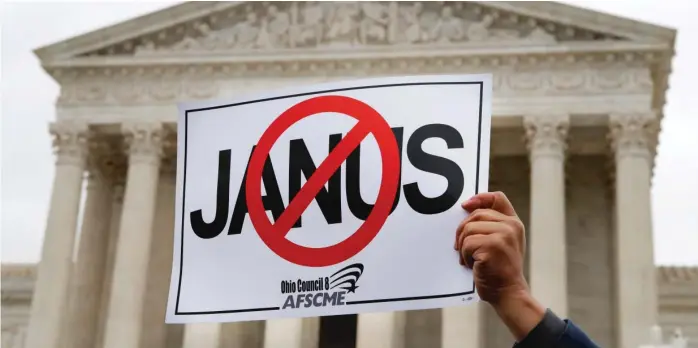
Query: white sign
point(329, 199)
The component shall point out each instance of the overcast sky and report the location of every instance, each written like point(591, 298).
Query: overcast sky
point(28, 95)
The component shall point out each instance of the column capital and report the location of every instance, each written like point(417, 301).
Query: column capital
point(546, 135)
point(144, 142)
point(70, 142)
point(631, 134)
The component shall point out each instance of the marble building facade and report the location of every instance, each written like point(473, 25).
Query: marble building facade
point(578, 100)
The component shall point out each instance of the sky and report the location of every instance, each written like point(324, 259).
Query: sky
point(28, 96)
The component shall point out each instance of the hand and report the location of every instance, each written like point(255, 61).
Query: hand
point(492, 242)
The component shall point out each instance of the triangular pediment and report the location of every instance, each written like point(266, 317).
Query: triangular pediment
point(259, 27)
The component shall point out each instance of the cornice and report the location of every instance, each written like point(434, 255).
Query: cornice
point(678, 274)
point(588, 19)
point(17, 282)
point(18, 270)
point(595, 50)
point(678, 288)
point(148, 23)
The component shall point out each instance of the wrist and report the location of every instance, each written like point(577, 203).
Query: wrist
point(519, 311)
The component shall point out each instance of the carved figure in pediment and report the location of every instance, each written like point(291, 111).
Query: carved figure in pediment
point(275, 28)
point(343, 24)
point(413, 31)
point(482, 31)
point(310, 26)
point(187, 43)
point(206, 39)
point(210, 39)
point(246, 34)
point(148, 46)
point(540, 35)
point(374, 24)
point(449, 28)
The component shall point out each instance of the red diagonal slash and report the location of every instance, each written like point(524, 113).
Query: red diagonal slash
point(317, 181)
point(274, 235)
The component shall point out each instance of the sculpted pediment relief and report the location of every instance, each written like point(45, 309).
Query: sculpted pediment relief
point(266, 26)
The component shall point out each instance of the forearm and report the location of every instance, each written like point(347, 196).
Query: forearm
point(533, 326)
point(520, 312)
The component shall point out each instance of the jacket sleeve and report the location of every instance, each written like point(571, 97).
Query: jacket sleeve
point(553, 332)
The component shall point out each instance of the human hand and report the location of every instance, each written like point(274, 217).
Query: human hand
point(492, 242)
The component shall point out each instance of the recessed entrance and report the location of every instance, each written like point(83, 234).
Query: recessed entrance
point(338, 331)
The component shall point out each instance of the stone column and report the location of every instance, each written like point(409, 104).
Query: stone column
point(636, 292)
point(125, 320)
point(246, 334)
point(160, 265)
point(114, 221)
point(51, 287)
point(462, 326)
point(83, 314)
point(202, 335)
point(381, 330)
point(292, 333)
point(546, 135)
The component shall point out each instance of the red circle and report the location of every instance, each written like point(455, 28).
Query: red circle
point(325, 256)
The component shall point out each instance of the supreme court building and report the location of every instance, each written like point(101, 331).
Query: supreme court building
point(578, 99)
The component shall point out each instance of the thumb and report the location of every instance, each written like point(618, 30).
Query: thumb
point(496, 201)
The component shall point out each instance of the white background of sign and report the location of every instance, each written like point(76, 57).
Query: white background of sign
point(411, 256)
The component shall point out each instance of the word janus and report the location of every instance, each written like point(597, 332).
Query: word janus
point(329, 198)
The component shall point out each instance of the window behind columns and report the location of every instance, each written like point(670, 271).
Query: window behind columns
point(338, 331)
point(589, 213)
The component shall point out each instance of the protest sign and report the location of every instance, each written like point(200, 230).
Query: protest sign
point(329, 199)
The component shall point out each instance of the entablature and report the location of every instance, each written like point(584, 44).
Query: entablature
point(514, 83)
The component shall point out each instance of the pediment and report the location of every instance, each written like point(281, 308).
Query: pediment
point(239, 28)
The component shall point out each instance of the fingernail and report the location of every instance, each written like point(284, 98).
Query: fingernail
point(470, 201)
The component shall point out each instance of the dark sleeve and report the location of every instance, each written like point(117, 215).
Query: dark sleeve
point(554, 332)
